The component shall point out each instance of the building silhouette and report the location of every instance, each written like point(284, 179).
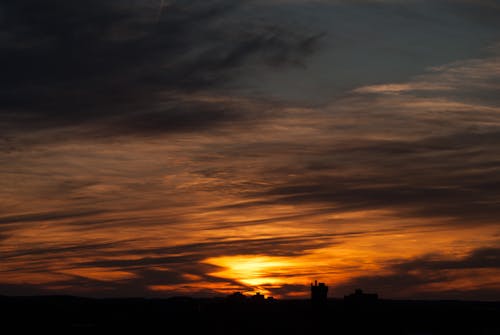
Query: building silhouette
point(259, 298)
point(240, 298)
point(236, 297)
point(359, 297)
point(319, 294)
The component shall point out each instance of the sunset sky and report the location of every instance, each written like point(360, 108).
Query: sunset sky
point(200, 147)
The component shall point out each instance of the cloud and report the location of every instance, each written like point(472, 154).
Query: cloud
point(93, 63)
point(289, 291)
point(59, 250)
point(477, 259)
point(436, 276)
point(399, 88)
point(427, 178)
point(52, 216)
point(420, 151)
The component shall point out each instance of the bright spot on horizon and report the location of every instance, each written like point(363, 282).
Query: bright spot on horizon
point(252, 270)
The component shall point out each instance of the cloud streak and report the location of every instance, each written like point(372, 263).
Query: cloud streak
point(109, 68)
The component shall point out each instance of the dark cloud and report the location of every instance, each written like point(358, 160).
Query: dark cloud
point(486, 12)
point(288, 290)
point(143, 262)
point(60, 251)
point(88, 62)
point(445, 176)
point(140, 284)
point(197, 252)
point(50, 216)
point(479, 259)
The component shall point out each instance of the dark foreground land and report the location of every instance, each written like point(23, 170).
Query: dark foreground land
point(222, 316)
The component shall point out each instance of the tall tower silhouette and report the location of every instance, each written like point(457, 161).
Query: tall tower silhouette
point(319, 293)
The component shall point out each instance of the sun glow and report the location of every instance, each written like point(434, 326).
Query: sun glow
point(252, 270)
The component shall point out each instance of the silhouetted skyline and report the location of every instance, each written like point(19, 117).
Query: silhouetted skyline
point(239, 314)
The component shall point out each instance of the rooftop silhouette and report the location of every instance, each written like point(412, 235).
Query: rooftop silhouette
point(319, 294)
point(239, 298)
point(360, 297)
point(237, 313)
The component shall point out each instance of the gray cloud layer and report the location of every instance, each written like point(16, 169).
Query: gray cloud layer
point(118, 67)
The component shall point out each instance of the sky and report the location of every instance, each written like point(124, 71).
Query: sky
point(155, 148)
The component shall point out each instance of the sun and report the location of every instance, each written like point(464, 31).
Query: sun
point(251, 269)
